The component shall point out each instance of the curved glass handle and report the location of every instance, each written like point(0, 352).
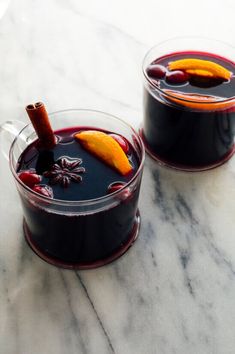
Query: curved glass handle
point(8, 131)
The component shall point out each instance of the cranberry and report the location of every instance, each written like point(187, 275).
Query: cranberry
point(43, 190)
point(115, 186)
point(176, 77)
point(156, 71)
point(121, 141)
point(30, 178)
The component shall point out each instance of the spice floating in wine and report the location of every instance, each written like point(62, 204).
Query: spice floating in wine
point(76, 173)
point(40, 120)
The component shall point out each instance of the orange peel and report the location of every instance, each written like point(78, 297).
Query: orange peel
point(106, 149)
point(196, 101)
point(197, 65)
point(199, 72)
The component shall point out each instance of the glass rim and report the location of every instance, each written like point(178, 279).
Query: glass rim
point(167, 94)
point(87, 201)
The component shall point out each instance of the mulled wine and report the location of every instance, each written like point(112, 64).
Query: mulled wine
point(69, 173)
point(189, 109)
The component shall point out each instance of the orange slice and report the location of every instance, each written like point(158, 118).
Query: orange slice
point(106, 149)
point(199, 72)
point(196, 101)
point(198, 64)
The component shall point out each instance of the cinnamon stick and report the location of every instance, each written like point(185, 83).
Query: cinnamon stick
point(41, 123)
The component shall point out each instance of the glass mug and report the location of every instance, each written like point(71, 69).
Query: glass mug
point(77, 234)
point(178, 133)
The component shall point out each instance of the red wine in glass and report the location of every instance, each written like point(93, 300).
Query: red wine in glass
point(70, 173)
point(182, 134)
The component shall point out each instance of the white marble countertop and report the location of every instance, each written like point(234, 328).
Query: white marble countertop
point(174, 291)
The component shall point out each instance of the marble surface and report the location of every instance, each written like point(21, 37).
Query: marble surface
point(174, 291)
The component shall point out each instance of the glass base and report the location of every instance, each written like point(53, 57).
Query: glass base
point(98, 263)
point(186, 168)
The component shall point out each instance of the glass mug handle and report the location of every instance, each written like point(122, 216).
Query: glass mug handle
point(8, 132)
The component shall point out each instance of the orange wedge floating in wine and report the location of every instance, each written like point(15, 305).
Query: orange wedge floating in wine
point(200, 102)
point(215, 69)
point(199, 72)
point(106, 149)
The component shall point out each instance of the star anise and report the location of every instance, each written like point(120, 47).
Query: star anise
point(64, 171)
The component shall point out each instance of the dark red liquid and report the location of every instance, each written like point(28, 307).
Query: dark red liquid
point(88, 237)
point(186, 137)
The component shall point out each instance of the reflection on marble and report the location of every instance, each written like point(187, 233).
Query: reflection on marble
point(174, 291)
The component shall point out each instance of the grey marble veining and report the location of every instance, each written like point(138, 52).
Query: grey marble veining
point(174, 290)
